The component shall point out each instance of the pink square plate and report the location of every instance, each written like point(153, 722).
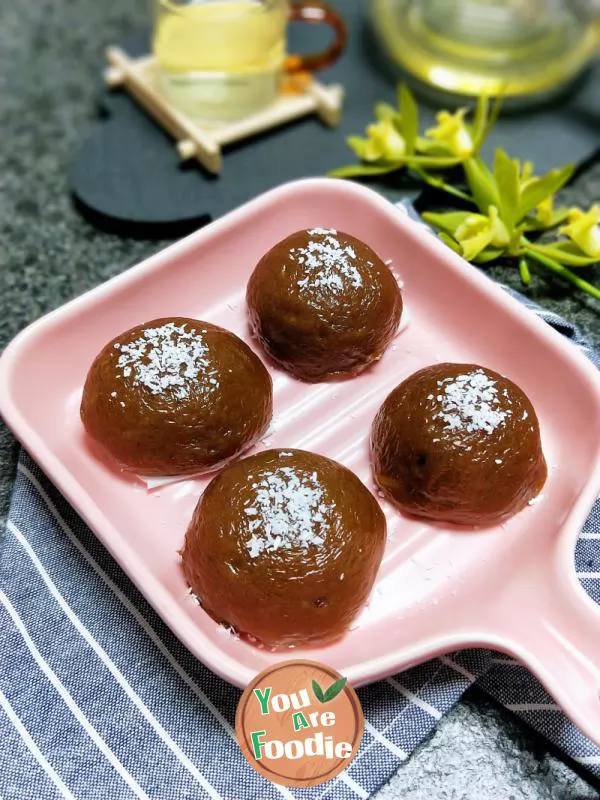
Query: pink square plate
point(440, 588)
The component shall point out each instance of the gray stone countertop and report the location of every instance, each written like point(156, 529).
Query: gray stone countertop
point(49, 56)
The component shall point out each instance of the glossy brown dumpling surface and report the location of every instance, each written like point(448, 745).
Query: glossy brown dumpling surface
point(176, 396)
point(323, 304)
point(284, 546)
point(458, 443)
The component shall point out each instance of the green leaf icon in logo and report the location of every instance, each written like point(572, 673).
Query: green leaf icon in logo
point(332, 692)
point(318, 691)
point(335, 689)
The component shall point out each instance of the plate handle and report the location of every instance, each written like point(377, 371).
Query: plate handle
point(553, 627)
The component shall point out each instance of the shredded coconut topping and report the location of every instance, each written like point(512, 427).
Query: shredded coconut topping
point(470, 402)
point(327, 263)
point(287, 512)
point(164, 358)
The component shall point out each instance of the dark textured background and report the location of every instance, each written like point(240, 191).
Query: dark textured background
point(49, 56)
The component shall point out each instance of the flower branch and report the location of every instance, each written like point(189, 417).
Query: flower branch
point(511, 205)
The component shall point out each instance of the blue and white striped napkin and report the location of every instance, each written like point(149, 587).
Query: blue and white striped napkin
point(99, 699)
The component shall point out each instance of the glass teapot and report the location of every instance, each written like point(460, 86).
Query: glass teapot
point(520, 48)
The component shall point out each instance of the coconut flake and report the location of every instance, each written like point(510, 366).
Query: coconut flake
point(290, 512)
point(319, 232)
point(470, 402)
point(327, 263)
point(167, 358)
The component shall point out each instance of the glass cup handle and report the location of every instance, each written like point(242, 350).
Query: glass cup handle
point(315, 12)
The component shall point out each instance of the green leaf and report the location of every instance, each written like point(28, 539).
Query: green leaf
point(363, 170)
point(481, 183)
point(434, 162)
point(438, 183)
point(524, 272)
point(527, 170)
point(450, 242)
point(489, 254)
point(506, 175)
point(554, 266)
point(541, 188)
point(531, 224)
point(565, 253)
point(495, 112)
point(410, 117)
point(490, 122)
point(335, 688)
point(448, 222)
point(385, 111)
point(318, 691)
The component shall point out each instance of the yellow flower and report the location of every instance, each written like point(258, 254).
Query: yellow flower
point(478, 231)
point(384, 142)
point(451, 130)
point(544, 212)
point(584, 230)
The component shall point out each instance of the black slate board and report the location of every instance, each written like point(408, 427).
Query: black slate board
point(127, 177)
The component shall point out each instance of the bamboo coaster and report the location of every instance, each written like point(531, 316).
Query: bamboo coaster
point(300, 96)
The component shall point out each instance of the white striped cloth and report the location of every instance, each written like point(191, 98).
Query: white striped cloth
point(99, 699)
point(95, 691)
